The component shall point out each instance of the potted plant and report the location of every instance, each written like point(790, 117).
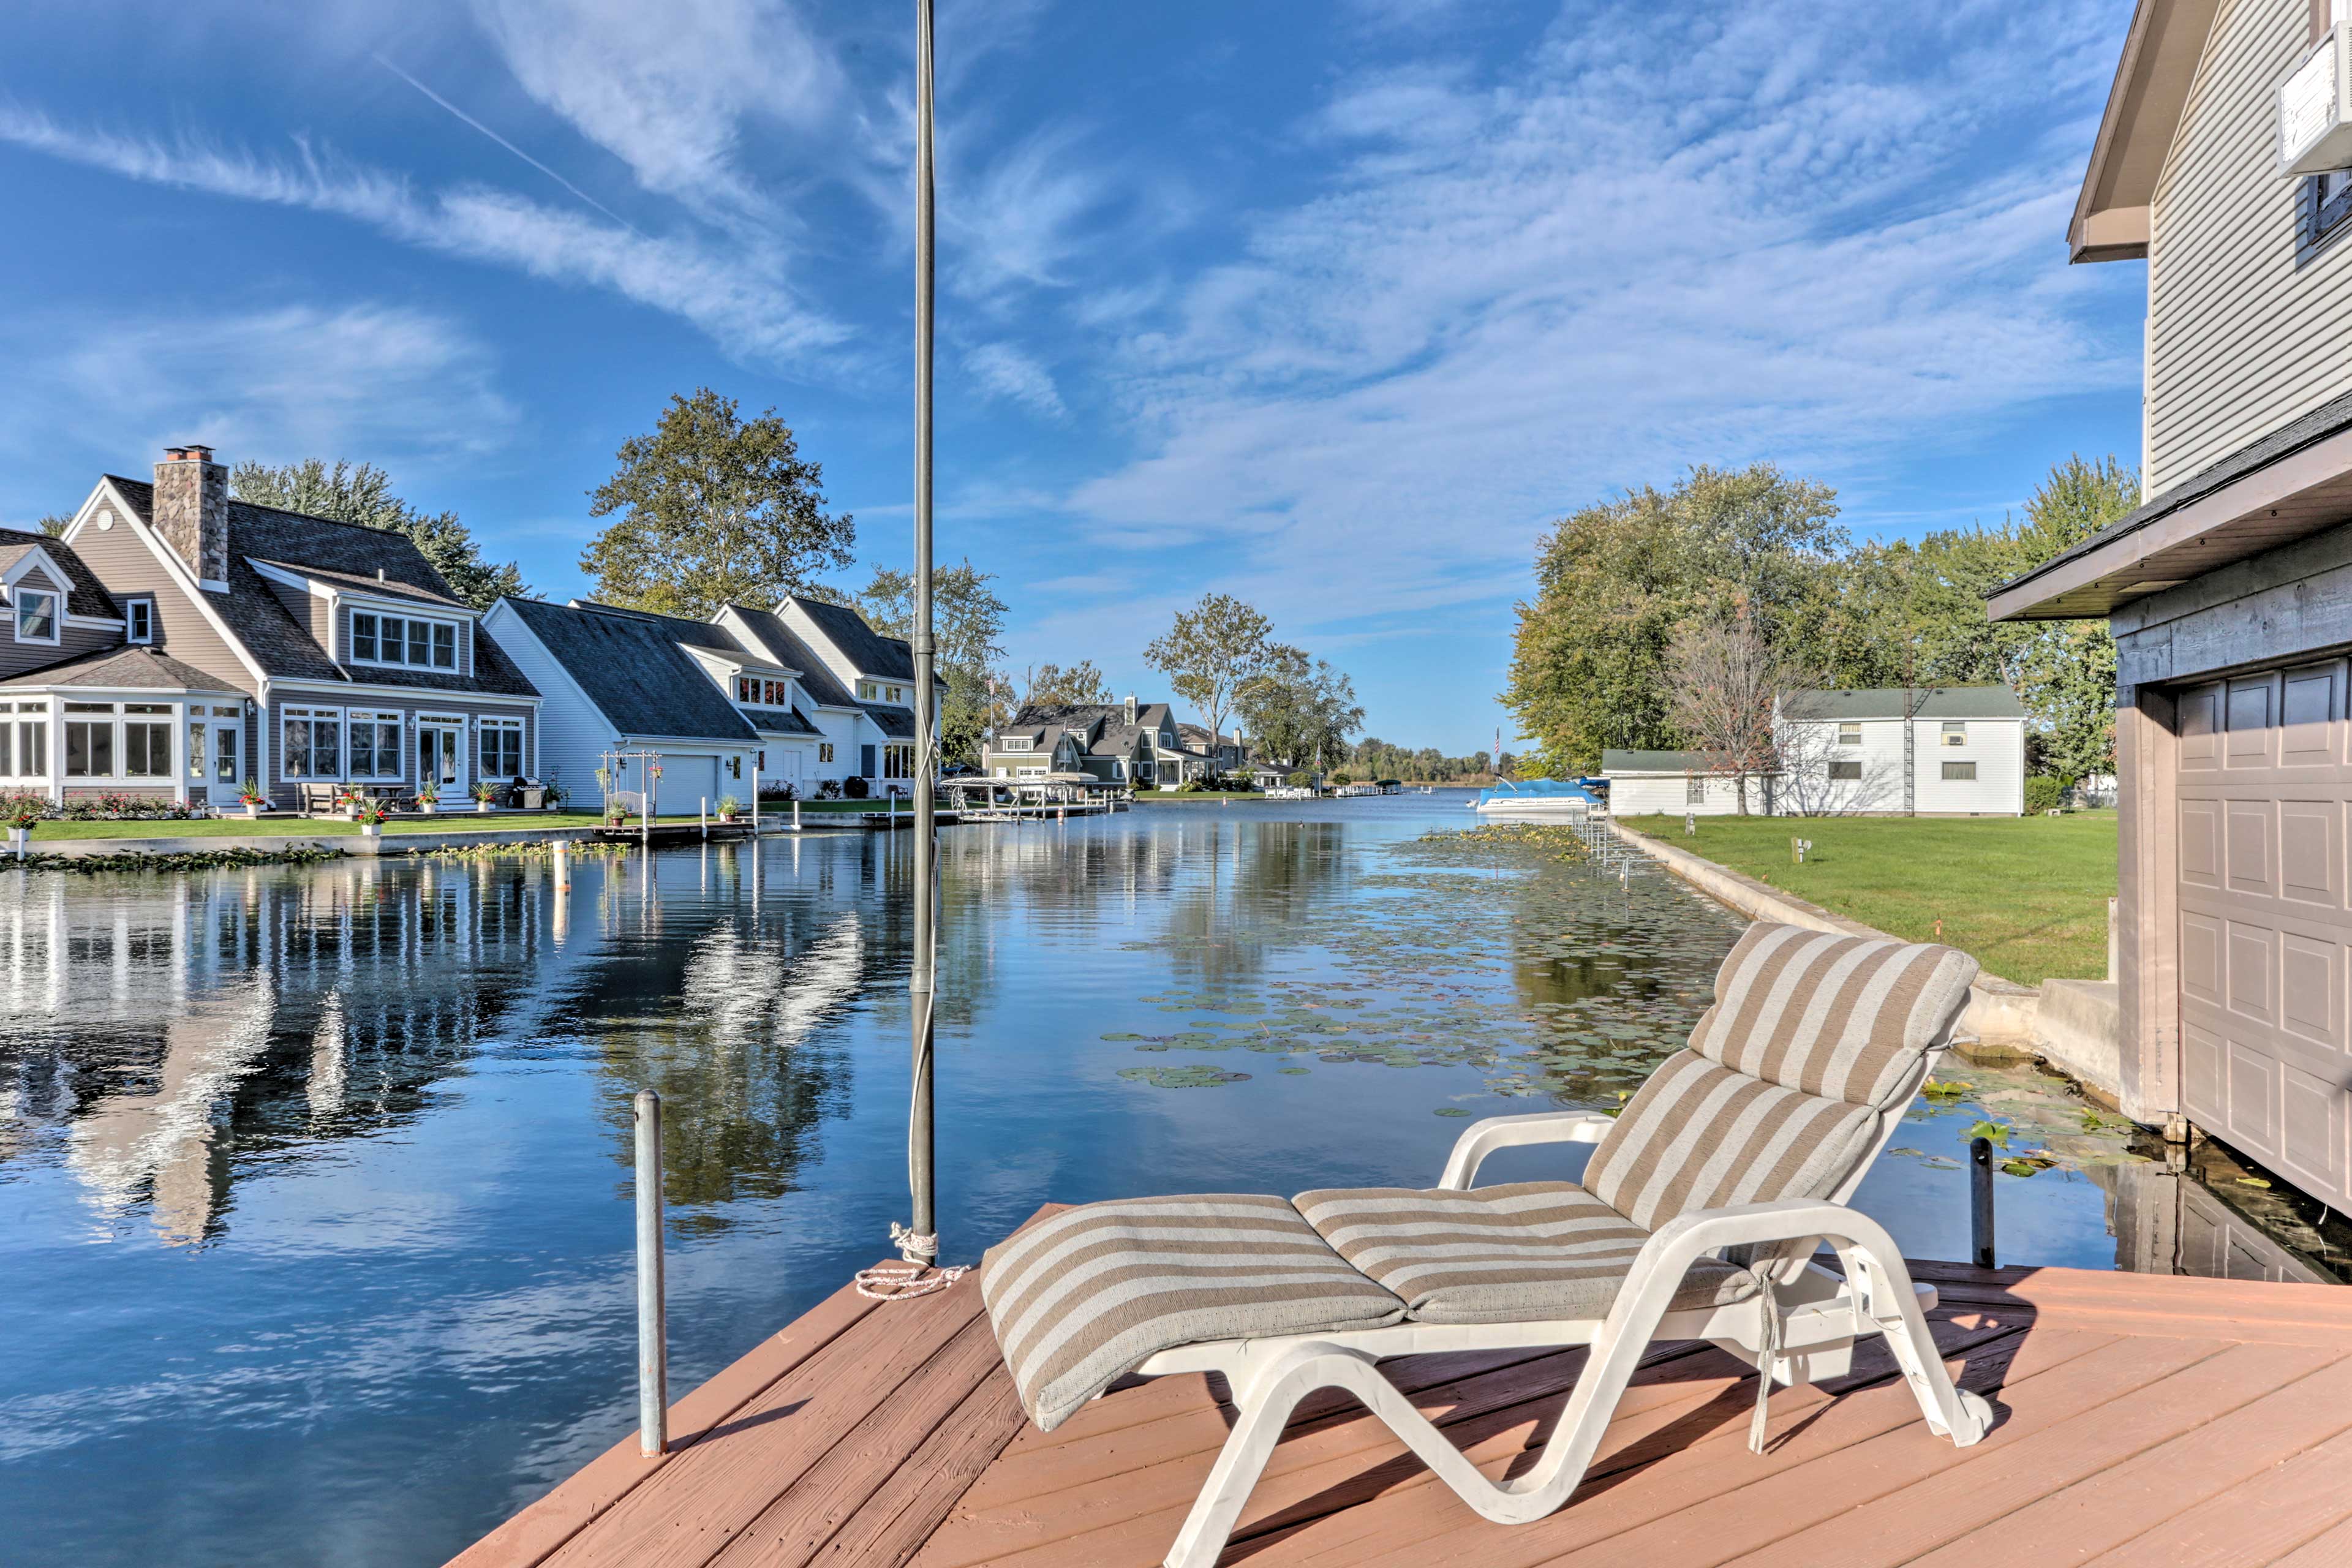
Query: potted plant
point(428, 795)
point(249, 793)
point(728, 808)
point(369, 813)
point(484, 793)
point(617, 814)
point(20, 811)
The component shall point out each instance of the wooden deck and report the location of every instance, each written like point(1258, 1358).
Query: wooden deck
point(2141, 1419)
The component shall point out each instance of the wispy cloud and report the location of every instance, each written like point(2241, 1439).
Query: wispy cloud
point(738, 297)
point(1005, 371)
point(469, 119)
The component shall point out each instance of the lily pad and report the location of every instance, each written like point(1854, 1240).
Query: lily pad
point(1452, 1110)
point(1192, 1075)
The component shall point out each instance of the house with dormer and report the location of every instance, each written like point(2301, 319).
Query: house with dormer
point(205, 641)
point(1130, 743)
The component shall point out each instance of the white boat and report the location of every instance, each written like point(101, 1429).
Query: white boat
point(1540, 800)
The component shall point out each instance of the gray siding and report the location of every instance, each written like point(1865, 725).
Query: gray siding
point(125, 565)
point(408, 705)
point(2240, 341)
point(342, 643)
point(2278, 606)
point(15, 658)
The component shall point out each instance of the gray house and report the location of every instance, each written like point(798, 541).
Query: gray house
point(2230, 589)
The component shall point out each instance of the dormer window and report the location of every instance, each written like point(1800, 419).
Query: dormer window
point(36, 616)
point(139, 620)
point(1016, 742)
point(746, 688)
point(402, 640)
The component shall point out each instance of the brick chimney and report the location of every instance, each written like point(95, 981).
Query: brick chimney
point(192, 510)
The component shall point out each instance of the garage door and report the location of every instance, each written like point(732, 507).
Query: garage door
point(2265, 928)
point(685, 783)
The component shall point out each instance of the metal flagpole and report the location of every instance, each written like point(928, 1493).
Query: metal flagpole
point(922, 1245)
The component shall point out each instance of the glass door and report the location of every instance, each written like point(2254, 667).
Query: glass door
point(440, 759)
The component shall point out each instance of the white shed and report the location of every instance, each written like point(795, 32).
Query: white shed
point(1642, 783)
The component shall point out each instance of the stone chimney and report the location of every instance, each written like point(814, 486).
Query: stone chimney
point(192, 510)
point(1130, 707)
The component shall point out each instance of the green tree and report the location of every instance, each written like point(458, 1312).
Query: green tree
point(55, 525)
point(363, 494)
point(967, 619)
point(1057, 685)
point(712, 510)
point(1210, 651)
point(1615, 580)
point(1298, 710)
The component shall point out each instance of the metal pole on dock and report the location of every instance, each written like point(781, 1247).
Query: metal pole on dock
point(1980, 1237)
point(921, 1245)
point(796, 814)
point(702, 817)
point(653, 1327)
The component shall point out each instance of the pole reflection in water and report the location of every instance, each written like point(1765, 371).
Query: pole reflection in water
point(314, 1182)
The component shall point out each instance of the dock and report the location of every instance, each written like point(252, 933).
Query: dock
point(2140, 1419)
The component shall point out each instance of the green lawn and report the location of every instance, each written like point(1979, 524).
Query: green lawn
point(2028, 896)
point(291, 828)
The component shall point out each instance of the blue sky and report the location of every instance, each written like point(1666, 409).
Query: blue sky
point(1333, 306)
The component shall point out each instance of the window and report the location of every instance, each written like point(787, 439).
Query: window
point(375, 745)
point(1959, 772)
point(866, 691)
point(780, 694)
point(899, 760)
point(1847, 771)
point(139, 619)
point(825, 751)
point(196, 749)
point(25, 741)
point(36, 616)
point(224, 745)
point(1694, 790)
point(1955, 733)
point(2321, 206)
point(1016, 742)
point(1849, 735)
point(311, 743)
point(897, 694)
point(746, 688)
point(396, 639)
point(146, 740)
point(89, 740)
point(501, 747)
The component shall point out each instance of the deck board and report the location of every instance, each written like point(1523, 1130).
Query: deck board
point(2141, 1420)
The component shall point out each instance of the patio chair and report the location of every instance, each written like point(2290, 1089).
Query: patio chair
point(1699, 1218)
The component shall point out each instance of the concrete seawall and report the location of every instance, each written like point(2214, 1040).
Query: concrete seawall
point(2074, 1025)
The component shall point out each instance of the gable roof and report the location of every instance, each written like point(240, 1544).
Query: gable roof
point(283, 645)
point(1886, 702)
point(632, 667)
point(779, 639)
point(780, 721)
point(1101, 728)
point(1653, 762)
point(868, 650)
point(85, 594)
point(136, 667)
point(383, 588)
point(2151, 88)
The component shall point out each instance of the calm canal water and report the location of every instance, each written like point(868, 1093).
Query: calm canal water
point(314, 1197)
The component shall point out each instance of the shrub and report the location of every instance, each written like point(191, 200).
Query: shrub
point(22, 809)
point(830, 789)
point(728, 805)
point(1192, 787)
point(854, 786)
point(1343, 779)
point(1301, 780)
point(781, 790)
point(2043, 793)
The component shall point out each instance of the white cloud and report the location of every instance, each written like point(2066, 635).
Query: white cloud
point(1668, 237)
point(736, 294)
point(1006, 372)
point(382, 381)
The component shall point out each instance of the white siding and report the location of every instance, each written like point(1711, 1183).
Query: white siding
point(572, 731)
point(1997, 746)
point(2239, 340)
point(1632, 795)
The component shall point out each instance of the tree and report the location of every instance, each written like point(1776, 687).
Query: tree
point(1051, 684)
point(1615, 580)
point(54, 525)
point(1727, 689)
point(1298, 710)
point(966, 620)
point(713, 510)
point(1210, 651)
point(363, 494)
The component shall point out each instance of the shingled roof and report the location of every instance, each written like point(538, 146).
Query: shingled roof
point(866, 649)
point(133, 668)
point(299, 542)
point(780, 641)
point(85, 594)
point(1887, 702)
point(632, 667)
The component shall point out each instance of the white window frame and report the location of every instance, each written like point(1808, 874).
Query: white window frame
point(1853, 777)
point(23, 726)
point(484, 728)
point(1017, 744)
point(825, 751)
point(1849, 733)
point(139, 620)
point(24, 595)
point(1951, 777)
point(1956, 732)
point(1695, 789)
point(434, 626)
point(376, 718)
point(313, 717)
point(152, 717)
point(105, 715)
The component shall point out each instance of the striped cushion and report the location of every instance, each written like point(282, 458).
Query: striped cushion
point(1519, 1252)
point(1844, 1016)
point(1700, 1136)
point(1081, 1299)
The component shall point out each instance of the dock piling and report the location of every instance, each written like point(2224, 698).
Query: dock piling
point(1980, 1237)
point(563, 867)
point(653, 1326)
point(702, 817)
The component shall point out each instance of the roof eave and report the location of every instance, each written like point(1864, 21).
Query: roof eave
point(2153, 77)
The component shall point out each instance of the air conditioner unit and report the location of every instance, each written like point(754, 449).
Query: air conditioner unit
point(2314, 108)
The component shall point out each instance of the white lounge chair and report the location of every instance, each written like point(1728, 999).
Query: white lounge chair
point(1697, 1220)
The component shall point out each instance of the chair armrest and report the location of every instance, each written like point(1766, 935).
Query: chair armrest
point(1481, 1139)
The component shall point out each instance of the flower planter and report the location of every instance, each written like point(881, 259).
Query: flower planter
point(371, 829)
point(481, 806)
point(253, 811)
point(426, 807)
point(17, 839)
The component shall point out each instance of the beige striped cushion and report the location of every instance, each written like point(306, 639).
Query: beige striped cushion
point(1519, 1252)
point(1844, 1016)
point(1700, 1136)
point(1081, 1299)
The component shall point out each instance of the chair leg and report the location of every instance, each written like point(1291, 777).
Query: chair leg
point(1888, 1304)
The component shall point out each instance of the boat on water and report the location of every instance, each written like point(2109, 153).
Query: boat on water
point(1549, 800)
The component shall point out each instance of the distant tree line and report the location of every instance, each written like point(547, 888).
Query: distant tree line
point(1372, 758)
point(1747, 573)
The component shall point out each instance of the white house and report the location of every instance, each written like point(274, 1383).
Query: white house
point(1846, 753)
